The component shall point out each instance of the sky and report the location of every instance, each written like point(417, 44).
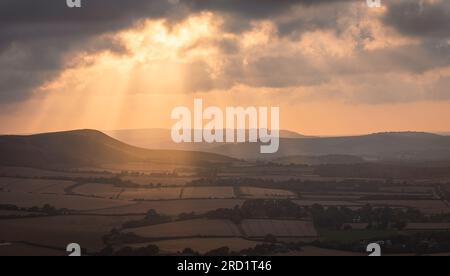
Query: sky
point(334, 67)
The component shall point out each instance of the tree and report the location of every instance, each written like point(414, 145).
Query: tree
point(223, 251)
point(270, 239)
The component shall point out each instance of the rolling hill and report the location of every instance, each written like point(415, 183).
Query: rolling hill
point(154, 138)
point(395, 146)
point(88, 148)
point(399, 146)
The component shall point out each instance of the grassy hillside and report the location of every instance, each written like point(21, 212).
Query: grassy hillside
point(88, 148)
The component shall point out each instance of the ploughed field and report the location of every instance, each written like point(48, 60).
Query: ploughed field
point(97, 201)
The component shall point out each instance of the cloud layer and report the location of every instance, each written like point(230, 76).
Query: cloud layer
point(306, 48)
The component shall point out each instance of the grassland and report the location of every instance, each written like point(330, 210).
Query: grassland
point(205, 245)
point(254, 192)
point(208, 192)
point(350, 236)
point(171, 207)
point(189, 228)
point(61, 202)
point(259, 228)
point(21, 185)
point(99, 204)
point(59, 231)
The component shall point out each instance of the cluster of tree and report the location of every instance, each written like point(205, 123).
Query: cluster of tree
point(260, 208)
point(117, 237)
point(376, 218)
point(420, 243)
point(263, 249)
point(429, 242)
point(375, 170)
point(46, 209)
point(151, 218)
point(298, 185)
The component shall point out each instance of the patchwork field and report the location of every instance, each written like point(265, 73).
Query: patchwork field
point(22, 185)
point(7, 213)
point(31, 173)
point(112, 192)
point(147, 168)
point(258, 228)
point(308, 203)
point(205, 245)
point(59, 231)
point(98, 190)
point(428, 226)
point(173, 208)
point(426, 206)
point(163, 181)
point(151, 194)
point(79, 203)
point(261, 193)
point(408, 189)
point(189, 228)
point(208, 192)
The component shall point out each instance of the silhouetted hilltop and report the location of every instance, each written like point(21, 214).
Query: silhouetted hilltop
point(87, 148)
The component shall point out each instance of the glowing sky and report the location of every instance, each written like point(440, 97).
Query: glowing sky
point(334, 67)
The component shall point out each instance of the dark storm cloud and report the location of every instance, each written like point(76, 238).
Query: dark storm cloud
point(35, 35)
point(420, 18)
point(254, 9)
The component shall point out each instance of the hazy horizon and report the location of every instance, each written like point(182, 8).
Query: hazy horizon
point(444, 133)
point(333, 67)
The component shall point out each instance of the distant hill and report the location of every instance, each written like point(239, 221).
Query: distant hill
point(401, 146)
point(161, 139)
point(88, 148)
point(319, 160)
point(393, 146)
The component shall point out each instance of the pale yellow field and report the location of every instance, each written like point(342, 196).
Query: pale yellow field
point(163, 181)
point(58, 189)
point(151, 194)
point(59, 231)
point(174, 207)
point(189, 228)
point(280, 228)
point(261, 193)
point(98, 190)
point(59, 201)
point(21, 185)
point(208, 192)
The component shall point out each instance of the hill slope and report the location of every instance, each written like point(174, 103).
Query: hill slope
point(405, 146)
point(161, 139)
point(88, 148)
